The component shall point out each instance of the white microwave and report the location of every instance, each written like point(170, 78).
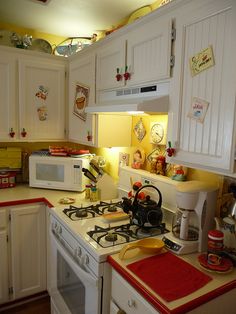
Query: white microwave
point(60, 173)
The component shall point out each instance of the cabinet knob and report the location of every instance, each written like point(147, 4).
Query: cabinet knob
point(12, 133)
point(23, 133)
point(131, 303)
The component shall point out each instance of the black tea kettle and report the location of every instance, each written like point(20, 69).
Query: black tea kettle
point(147, 212)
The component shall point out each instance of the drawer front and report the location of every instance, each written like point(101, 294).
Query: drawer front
point(127, 298)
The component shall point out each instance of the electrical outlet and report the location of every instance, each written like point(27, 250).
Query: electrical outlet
point(123, 159)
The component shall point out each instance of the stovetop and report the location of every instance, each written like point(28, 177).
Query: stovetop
point(99, 236)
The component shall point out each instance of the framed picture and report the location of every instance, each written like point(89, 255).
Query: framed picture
point(81, 100)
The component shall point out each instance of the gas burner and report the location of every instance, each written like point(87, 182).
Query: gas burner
point(111, 236)
point(111, 207)
point(78, 213)
point(81, 213)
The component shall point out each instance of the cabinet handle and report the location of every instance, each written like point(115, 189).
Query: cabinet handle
point(12, 133)
point(23, 133)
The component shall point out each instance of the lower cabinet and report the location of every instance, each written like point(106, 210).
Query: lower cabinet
point(125, 299)
point(23, 244)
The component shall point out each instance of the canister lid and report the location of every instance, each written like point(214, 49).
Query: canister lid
point(216, 235)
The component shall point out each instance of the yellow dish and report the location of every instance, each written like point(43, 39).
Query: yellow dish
point(147, 245)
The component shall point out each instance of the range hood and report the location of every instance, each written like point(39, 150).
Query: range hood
point(149, 98)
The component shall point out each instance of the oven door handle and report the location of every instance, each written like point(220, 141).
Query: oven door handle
point(86, 277)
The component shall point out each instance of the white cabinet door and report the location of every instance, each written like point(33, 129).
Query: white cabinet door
point(42, 99)
point(4, 296)
point(81, 73)
point(149, 51)
point(110, 57)
point(144, 52)
point(8, 96)
point(208, 143)
point(28, 249)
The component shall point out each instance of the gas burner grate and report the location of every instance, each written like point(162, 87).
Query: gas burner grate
point(111, 236)
point(108, 207)
point(91, 211)
point(77, 213)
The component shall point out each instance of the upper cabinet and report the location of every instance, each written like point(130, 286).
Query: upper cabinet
point(91, 129)
point(32, 96)
point(8, 94)
point(42, 99)
point(81, 80)
point(139, 56)
point(201, 124)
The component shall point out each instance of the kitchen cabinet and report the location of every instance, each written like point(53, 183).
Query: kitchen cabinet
point(4, 257)
point(103, 130)
point(81, 72)
point(207, 143)
point(144, 50)
point(42, 99)
point(32, 96)
point(125, 298)
point(8, 96)
point(23, 256)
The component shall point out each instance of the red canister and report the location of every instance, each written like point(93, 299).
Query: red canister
point(215, 247)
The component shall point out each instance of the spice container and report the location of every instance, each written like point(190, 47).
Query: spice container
point(93, 194)
point(215, 247)
point(87, 191)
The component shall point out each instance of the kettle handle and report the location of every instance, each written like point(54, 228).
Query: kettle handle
point(135, 202)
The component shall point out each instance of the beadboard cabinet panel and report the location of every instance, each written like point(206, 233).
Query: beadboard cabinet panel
point(206, 144)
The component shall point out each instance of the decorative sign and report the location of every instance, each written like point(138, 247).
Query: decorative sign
point(81, 101)
point(42, 94)
point(198, 109)
point(139, 130)
point(202, 61)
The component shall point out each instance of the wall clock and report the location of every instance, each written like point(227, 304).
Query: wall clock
point(157, 133)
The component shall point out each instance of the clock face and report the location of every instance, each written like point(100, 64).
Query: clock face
point(157, 133)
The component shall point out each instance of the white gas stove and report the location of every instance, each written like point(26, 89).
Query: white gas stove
point(81, 240)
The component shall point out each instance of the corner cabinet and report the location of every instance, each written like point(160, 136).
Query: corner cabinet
point(32, 96)
point(207, 143)
point(144, 51)
point(103, 130)
point(23, 255)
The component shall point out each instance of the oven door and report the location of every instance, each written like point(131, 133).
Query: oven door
point(73, 290)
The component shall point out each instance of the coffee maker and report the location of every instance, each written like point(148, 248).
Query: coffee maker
point(196, 205)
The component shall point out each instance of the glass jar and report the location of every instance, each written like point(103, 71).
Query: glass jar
point(215, 247)
point(93, 194)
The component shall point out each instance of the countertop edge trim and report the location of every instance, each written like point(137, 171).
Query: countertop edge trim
point(26, 201)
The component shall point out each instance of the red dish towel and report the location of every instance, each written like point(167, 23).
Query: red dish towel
point(169, 276)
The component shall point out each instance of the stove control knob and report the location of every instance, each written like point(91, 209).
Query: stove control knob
point(86, 259)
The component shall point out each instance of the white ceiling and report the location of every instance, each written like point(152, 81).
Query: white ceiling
point(68, 18)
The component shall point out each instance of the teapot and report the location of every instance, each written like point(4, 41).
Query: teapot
point(147, 212)
point(228, 226)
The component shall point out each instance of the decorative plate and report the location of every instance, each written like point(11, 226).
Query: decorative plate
point(41, 45)
point(67, 200)
point(72, 45)
point(139, 13)
point(139, 130)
